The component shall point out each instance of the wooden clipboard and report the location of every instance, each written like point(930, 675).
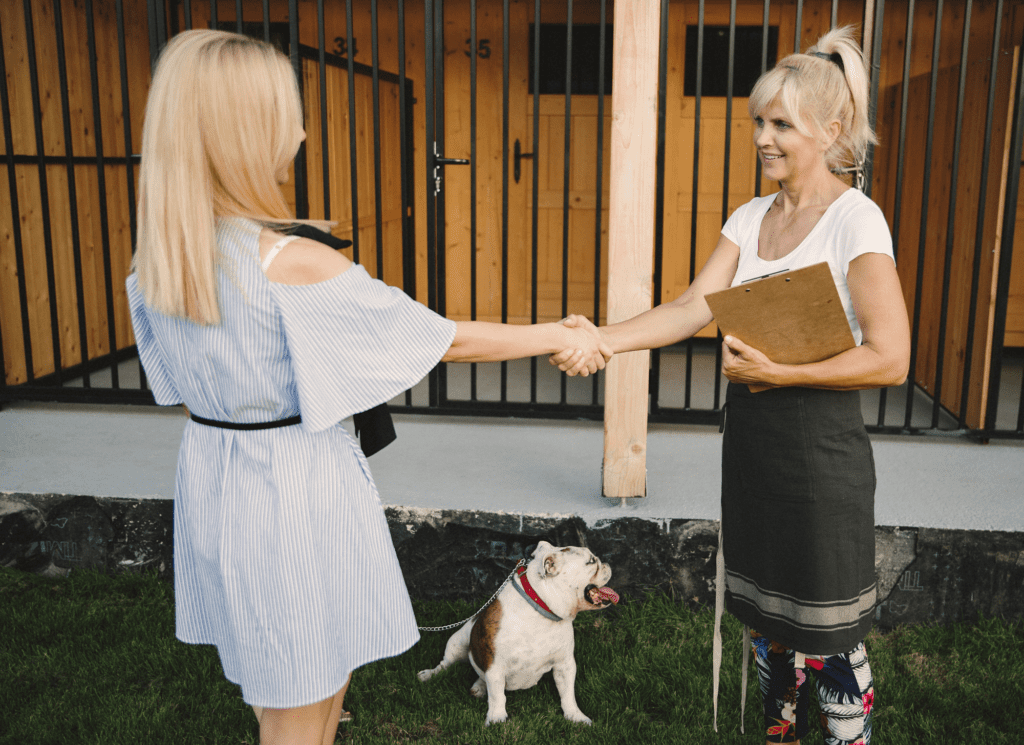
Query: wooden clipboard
point(794, 317)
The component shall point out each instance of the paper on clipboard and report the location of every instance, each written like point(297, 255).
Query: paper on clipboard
point(793, 317)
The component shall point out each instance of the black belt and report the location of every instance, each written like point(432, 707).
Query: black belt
point(374, 428)
point(251, 425)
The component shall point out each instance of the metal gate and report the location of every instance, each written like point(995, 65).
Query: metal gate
point(470, 168)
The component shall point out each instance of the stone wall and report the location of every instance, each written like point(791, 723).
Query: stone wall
point(924, 575)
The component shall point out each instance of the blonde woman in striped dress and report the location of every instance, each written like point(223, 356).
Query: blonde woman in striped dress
point(282, 554)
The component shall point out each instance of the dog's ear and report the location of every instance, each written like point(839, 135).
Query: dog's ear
point(542, 547)
point(551, 565)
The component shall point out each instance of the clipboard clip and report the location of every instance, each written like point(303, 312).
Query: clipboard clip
point(764, 276)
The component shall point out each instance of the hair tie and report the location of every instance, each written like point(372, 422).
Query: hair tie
point(835, 58)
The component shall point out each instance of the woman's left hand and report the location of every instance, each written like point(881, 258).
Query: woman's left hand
point(742, 363)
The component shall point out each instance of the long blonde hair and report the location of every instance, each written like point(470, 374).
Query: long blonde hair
point(814, 90)
point(223, 119)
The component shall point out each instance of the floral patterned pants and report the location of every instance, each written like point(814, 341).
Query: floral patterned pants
point(843, 683)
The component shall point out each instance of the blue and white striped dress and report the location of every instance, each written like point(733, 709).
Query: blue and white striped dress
point(282, 555)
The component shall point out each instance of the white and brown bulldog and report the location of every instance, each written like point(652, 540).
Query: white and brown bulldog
point(527, 630)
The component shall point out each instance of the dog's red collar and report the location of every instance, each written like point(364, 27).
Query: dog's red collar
point(532, 597)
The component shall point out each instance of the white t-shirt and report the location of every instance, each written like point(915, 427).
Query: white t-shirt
point(852, 225)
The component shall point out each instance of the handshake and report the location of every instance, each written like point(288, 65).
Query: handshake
point(586, 350)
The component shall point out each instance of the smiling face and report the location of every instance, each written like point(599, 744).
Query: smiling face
point(786, 152)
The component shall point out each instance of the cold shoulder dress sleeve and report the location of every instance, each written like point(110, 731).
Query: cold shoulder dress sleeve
point(282, 554)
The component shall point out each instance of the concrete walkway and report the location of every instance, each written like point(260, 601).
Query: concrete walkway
point(514, 466)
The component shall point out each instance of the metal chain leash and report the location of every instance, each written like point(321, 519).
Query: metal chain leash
point(496, 592)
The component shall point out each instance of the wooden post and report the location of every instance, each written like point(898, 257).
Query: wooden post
point(634, 143)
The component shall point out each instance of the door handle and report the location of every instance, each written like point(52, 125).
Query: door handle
point(439, 161)
point(518, 155)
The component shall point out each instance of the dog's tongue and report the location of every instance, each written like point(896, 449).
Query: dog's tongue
point(608, 594)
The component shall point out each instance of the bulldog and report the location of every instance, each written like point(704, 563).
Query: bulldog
point(527, 630)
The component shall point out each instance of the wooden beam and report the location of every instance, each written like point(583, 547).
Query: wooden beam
point(631, 238)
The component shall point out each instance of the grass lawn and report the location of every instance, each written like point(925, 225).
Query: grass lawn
point(91, 659)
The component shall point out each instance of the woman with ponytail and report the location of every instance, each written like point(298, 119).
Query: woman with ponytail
point(798, 476)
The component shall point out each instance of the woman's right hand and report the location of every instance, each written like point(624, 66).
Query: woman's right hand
point(589, 354)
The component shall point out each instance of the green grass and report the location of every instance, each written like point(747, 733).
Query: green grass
point(92, 659)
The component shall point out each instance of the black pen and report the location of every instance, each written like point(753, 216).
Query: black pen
point(763, 276)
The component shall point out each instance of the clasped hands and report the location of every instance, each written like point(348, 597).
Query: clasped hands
point(589, 352)
point(586, 351)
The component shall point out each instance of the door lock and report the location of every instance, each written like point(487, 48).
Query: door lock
point(439, 161)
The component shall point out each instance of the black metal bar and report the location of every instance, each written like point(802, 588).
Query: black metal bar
point(266, 21)
point(947, 271)
point(729, 74)
point(473, 372)
point(301, 175)
point(129, 164)
point(602, 51)
point(876, 68)
point(325, 144)
point(188, 14)
point(59, 160)
point(505, 62)
point(238, 16)
point(695, 188)
point(44, 191)
point(77, 395)
point(925, 189)
point(440, 137)
point(510, 409)
point(12, 186)
point(69, 151)
point(1020, 408)
point(97, 128)
point(1006, 253)
point(659, 205)
point(797, 25)
point(869, 156)
point(979, 233)
point(432, 243)
point(566, 173)
point(535, 187)
point(898, 193)
point(154, 39)
point(764, 68)
point(375, 85)
point(405, 128)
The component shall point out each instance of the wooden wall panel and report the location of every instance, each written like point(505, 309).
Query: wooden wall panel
point(908, 240)
point(90, 247)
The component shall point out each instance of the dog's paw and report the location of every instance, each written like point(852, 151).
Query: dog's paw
point(479, 688)
point(425, 675)
point(496, 719)
point(579, 717)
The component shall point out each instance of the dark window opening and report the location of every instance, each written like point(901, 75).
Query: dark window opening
point(586, 58)
point(715, 69)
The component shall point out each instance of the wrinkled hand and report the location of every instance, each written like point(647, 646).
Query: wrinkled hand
point(742, 363)
point(590, 352)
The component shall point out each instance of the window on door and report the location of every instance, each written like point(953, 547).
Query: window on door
point(714, 72)
point(586, 58)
